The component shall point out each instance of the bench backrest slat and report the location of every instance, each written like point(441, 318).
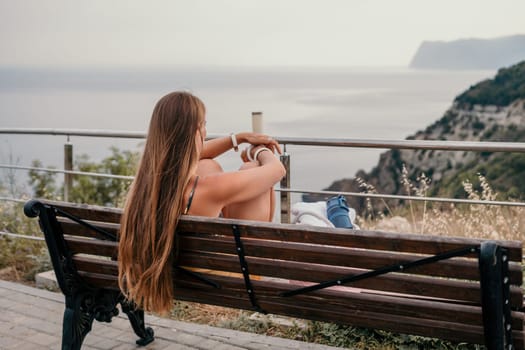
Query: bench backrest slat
point(366, 310)
point(79, 245)
point(409, 243)
point(72, 228)
point(339, 256)
point(465, 291)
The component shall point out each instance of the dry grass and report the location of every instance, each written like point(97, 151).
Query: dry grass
point(446, 219)
point(202, 313)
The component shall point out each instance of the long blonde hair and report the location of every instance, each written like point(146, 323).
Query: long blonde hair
point(156, 200)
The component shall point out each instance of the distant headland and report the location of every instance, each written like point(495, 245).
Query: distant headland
point(470, 53)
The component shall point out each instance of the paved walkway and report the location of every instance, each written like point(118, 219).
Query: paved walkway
point(31, 318)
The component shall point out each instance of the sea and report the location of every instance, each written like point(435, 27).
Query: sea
point(383, 103)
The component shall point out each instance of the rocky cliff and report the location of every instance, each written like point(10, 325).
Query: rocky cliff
point(465, 120)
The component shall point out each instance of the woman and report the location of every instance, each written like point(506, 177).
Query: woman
point(177, 175)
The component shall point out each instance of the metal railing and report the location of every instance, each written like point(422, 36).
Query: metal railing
point(284, 188)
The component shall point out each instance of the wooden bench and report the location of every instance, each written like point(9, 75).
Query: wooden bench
point(406, 283)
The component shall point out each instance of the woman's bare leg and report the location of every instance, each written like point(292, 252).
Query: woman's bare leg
point(259, 208)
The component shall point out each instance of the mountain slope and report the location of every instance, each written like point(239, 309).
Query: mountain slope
point(493, 110)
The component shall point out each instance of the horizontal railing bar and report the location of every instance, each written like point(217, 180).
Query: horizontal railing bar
point(415, 198)
point(292, 190)
point(10, 199)
point(75, 132)
point(73, 172)
point(407, 144)
point(479, 146)
point(15, 235)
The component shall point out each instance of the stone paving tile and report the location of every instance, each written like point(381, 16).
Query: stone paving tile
point(121, 347)
point(159, 344)
point(50, 328)
point(46, 304)
point(6, 304)
point(4, 292)
point(20, 297)
point(184, 347)
point(27, 345)
point(19, 331)
point(44, 339)
point(93, 338)
point(108, 330)
point(7, 315)
point(7, 342)
point(106, 344)
point(126, 336)
point(121, 323)
point(182, 338)
point(30, 311)
point(228, 347)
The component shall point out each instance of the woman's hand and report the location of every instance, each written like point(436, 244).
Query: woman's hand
point(256, 139)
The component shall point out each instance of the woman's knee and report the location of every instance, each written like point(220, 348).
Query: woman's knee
point(208, 166)
point(249, 165)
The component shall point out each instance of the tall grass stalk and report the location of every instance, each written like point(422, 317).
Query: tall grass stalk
point(468, 220)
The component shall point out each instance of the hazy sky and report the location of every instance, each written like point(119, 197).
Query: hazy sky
point(242, 32)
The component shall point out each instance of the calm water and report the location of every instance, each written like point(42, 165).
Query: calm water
point(389, 103)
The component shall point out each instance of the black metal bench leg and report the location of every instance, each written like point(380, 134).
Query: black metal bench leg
point(136, 318)
point(493, 267)
point(76, 324)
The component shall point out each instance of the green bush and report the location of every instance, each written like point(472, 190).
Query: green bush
point(89, 189)
point(507, 86)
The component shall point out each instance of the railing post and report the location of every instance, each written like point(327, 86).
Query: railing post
point(68, 165)
point(257, 122)
point(285, 183)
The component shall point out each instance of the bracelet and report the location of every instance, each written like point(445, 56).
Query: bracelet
point(234, 142)
point(262, 149)
point(249, 153)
